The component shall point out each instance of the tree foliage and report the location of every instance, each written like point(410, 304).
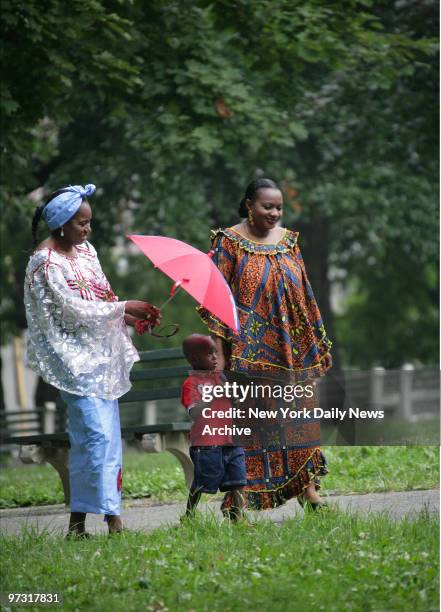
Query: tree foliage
point(172, 107)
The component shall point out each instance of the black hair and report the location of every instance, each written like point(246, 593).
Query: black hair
point(192, 344)
point(39, 211)
point(251, 192)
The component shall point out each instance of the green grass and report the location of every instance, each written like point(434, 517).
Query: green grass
point(368, 469)
point(331, 562)
point(160, 477)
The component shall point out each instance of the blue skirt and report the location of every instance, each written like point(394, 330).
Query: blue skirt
point(95, 457)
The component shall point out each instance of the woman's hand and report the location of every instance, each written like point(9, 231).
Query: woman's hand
point(327, 361)
point(143, 310)
point(130, 319)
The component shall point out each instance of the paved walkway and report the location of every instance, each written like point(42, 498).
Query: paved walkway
point(145, 515)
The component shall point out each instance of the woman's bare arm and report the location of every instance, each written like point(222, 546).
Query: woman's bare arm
point(130, 319)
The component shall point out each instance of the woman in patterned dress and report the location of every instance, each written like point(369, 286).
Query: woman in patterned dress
point(78, 342)
point(282, 334)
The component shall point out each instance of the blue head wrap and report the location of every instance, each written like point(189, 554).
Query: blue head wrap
point(64, 206)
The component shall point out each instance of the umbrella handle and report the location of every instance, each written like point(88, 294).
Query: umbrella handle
point(167, 301)
point(174, 327)
point(173, 291)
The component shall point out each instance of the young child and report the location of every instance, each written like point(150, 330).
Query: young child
point(218, 464)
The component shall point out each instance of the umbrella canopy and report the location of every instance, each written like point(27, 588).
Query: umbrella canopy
point(194, 271)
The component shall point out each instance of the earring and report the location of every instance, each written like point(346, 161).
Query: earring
point(62, 232)
point(250, 217)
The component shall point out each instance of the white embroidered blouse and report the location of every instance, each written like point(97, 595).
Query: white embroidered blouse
point(77, 337)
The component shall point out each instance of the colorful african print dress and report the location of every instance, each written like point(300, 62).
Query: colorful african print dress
point(282, 333)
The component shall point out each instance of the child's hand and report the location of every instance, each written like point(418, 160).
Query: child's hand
point(327, 361)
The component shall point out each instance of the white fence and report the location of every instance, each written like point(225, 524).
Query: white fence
point(410, 394)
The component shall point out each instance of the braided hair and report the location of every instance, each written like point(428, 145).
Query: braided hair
point(39, 211)
point(251, 192)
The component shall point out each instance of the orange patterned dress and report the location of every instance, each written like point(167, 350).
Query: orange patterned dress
point(281, 333)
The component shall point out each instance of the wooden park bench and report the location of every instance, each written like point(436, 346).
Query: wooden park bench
point(150, 384)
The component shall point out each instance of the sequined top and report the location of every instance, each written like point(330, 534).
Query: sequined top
point(77, 338)
point(281, 325)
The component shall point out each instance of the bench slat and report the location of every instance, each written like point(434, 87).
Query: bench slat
point(146, 395)
point(161, 354)
point(56, 437)
point(157, 374)
point(145, 429)
point(25, 419)
point(8, 413)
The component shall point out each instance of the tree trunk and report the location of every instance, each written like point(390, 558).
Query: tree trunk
point(314, 243)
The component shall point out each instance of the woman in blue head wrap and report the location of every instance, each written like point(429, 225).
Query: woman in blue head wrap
point(78, 342)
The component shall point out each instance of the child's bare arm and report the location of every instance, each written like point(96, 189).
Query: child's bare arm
point(196, 410)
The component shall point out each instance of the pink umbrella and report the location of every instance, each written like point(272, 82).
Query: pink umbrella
point(193, 271)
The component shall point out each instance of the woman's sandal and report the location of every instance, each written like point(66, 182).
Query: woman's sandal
point(311, 506)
